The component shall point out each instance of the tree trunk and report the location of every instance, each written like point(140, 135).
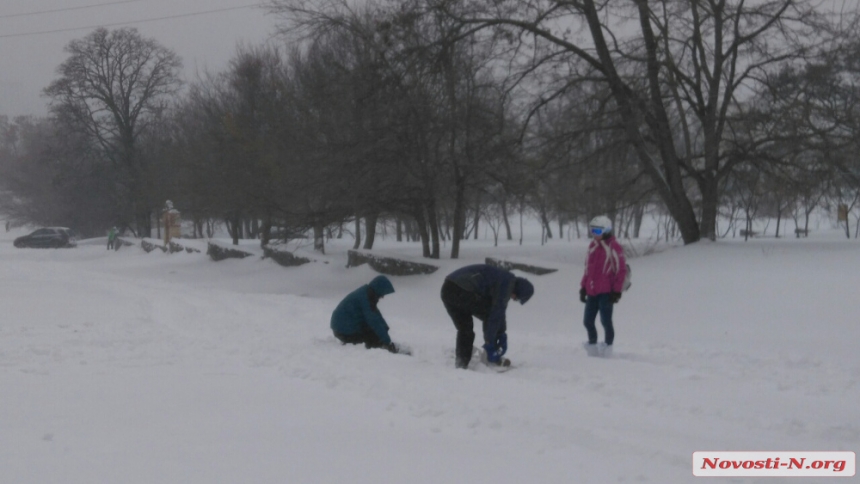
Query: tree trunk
point(666, 174)
point(255, 227)
point(521, 222)
point(145, 224)
point(236, 224)
point(507, 222)
point(459, 216)
point(357, 243)
point(434, 228)
point(778, 220)
point(637, 222)
point(246, 229)
point(319, 237)
point(237, 230)
point(710, 197)
point(421, 223)
point(399, 229)
point(447, 225)
point(477, 215)
point(370, 232)
point(545, 221)
point(266, 231)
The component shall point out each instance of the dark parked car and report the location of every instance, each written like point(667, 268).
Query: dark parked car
point(48, 237)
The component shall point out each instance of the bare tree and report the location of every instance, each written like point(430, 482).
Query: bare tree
point(111, 87)
point(444, 116)
point(676, 71)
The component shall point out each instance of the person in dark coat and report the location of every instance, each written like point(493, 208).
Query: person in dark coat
point(482, 291)
point(357, 318)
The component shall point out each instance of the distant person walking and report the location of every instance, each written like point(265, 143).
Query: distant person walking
point(357, 318)
point(602, 283)
point(482, 291)
point(111, 238)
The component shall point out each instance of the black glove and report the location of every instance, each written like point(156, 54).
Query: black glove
point(614, 297)
point(582, 294)
point(391, 347)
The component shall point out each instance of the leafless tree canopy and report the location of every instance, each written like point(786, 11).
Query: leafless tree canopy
point(438, 117)
point(113, 87)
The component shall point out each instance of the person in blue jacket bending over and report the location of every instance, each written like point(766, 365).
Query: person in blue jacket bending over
point(357, 318)
point(482, 291)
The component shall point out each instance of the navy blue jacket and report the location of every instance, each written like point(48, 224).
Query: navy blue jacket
point(358, 309)
point(492, 284)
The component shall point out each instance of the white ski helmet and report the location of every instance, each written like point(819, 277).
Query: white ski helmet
point(601, 222)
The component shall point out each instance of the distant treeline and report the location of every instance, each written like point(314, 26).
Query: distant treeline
point(441, 115)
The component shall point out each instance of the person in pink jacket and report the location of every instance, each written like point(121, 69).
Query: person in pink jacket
point(602, 283)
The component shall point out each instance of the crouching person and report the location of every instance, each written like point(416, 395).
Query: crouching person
point(482, 291)
point(357, 318)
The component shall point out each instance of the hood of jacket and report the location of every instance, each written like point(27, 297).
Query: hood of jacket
point(381, 286)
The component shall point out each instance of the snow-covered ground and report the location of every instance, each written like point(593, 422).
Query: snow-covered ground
point(127, 367)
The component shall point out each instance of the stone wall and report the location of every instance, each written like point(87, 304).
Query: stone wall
point(217, 253)
point(508, 265)
point(389, 265)
point(174, 247)
point(284, 258)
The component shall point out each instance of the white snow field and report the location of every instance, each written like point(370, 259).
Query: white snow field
point(127, 367)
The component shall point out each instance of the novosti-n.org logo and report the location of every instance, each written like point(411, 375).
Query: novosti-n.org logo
point(773, 464)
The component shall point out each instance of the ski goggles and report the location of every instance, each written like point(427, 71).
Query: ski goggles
point(597, 231)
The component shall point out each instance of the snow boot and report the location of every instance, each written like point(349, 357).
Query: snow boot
point(604, 350)
point(591, 349)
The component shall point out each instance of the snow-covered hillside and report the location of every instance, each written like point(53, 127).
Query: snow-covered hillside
point(127, 367)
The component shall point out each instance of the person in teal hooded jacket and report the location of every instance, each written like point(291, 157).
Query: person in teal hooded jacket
point(357, 318)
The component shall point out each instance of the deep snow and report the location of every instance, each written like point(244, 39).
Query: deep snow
point(127, 367)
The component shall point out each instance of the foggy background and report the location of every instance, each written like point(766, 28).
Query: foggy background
point(33, 34)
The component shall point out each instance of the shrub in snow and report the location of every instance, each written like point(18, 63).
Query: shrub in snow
point(149, 246)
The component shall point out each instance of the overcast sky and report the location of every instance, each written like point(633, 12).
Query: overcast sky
point(203, 32)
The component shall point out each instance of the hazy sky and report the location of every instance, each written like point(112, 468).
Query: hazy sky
point(203, 32)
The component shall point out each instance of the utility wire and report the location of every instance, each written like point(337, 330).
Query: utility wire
point(28, 14)
point(114, 24)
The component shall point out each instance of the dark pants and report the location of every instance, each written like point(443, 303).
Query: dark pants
point(366, 336)
point(461, 306)
point(599, 304)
